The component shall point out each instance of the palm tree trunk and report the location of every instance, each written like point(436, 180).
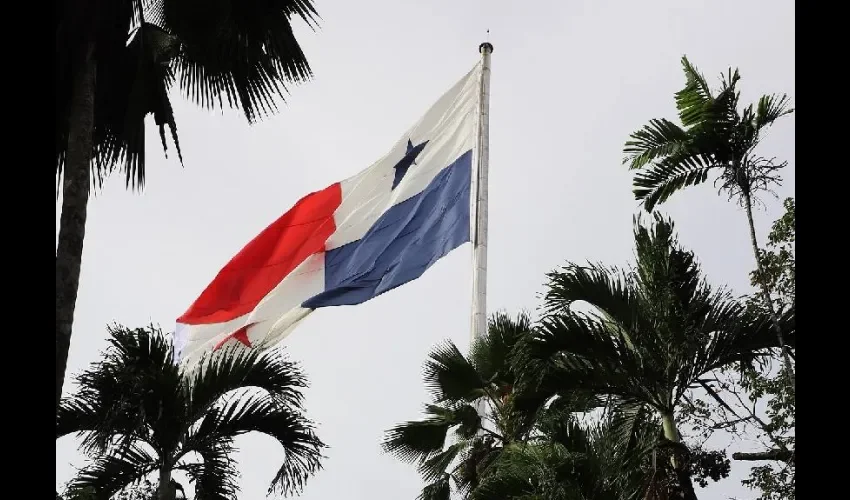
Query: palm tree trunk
point(765, 293)
point(165, 491)
point(668, 424)
point(75, 194)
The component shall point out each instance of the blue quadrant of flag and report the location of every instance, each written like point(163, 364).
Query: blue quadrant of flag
point(403, 243)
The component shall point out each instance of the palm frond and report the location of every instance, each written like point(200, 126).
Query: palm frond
point(415, 440)
point(230, 54)
point(695, 99)
point(531, 471)
point(659, 139)
point(568, 461)
point(628, 428)
point(703, 113)
point(115, 470)
point(136, 394)
point(438, 464)
point(561, 427)
point(475, 462)
point(622, 447)
point(714, 135)
point(607, 290)
point(276, 418)
point(586, 354)
point(75, 415)
point(771, 108)
point(751, 335)
point(680, 328)
point(661, 180)
point(131, 393)
point(419, 440)
point(449, 376)
point(491, 354)
point(467, 419)
point(664, 272)
point(129, 89)
point(440, 489)
point(73, 30)
point(238, 54)
point(215, 476)
point(230, 369)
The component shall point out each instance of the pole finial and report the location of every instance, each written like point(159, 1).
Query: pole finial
point(486, 45)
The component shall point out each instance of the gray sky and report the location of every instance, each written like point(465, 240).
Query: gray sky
point(570, 81)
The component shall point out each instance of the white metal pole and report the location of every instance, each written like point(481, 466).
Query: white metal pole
point(479, 233)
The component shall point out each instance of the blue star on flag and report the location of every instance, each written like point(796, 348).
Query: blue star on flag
point(407, 161)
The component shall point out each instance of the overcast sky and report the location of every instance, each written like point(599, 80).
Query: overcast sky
point(570, 81)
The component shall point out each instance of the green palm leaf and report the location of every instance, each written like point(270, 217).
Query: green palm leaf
point(694, 102)
point(658, 139)
point(713, 135)
point(585, 354)
point(659, 182)
point(771, 108)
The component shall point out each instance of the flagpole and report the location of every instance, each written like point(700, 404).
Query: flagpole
point(479, 237)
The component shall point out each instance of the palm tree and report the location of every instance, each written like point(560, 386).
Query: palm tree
point(648, 335)
point(567, 460)
point(714, 137)
point(139, 414)
point(116, 61)
point(471, 404)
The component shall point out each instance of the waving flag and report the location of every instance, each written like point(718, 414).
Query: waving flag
point(351, 241)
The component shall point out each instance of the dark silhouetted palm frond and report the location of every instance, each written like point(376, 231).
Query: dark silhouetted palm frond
point(651, 331)
point(113, 471)
point(228, 54)
point(454, 445)
point(139, 412)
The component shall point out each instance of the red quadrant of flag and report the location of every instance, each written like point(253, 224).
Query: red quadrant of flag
point(267, 259)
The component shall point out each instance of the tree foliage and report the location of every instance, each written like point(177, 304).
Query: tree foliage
point(634, 344)
point(144, 490)
point(776, 479)
point(138, 413)
point(715, 137)
point(644, 338)
point(778, 261)
point(756, 402)
point(471, 418)
point(225, 54)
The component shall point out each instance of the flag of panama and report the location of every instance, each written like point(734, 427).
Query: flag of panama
point(351, 241)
